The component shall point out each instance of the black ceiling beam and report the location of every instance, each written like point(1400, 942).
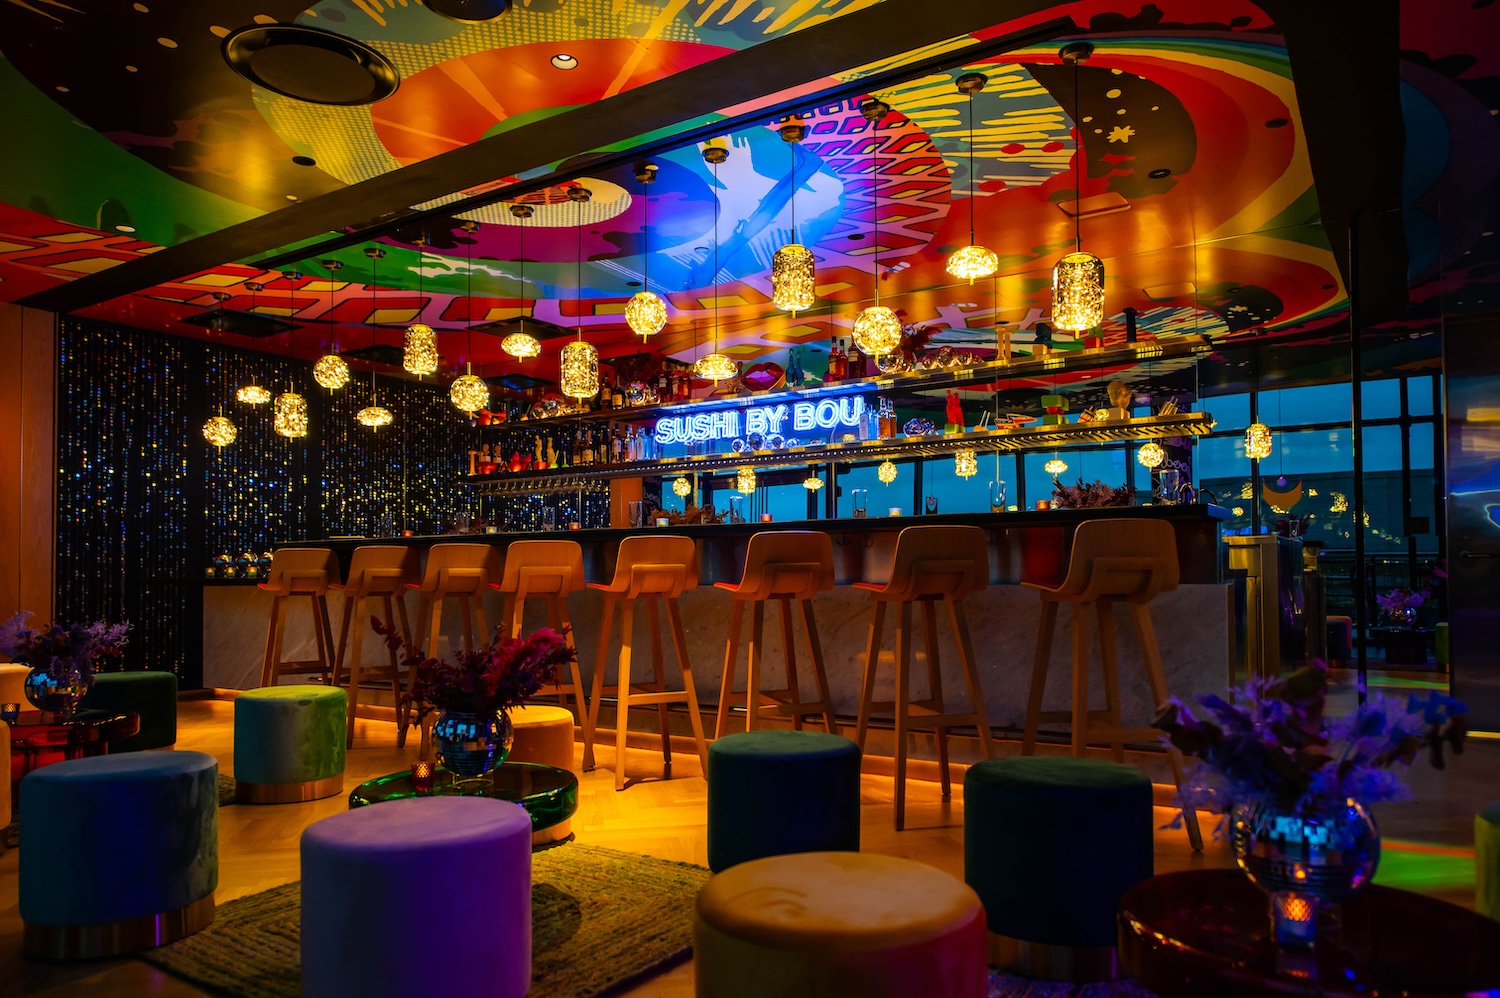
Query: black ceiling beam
point(886, 30)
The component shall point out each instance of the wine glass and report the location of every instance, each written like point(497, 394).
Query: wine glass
point(997, 497)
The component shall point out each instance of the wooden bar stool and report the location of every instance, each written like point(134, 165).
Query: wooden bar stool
point(381, 572)
point(781, 565)
point(550, 571)
point(299, 572)
point(930, 564)
point(653, 568)
point(1113, 561)
point(462, 572)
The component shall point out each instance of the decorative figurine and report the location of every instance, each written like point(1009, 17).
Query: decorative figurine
point(551, 454)
point(1056, 408)
point(1119, 400)
point(517, 463)
point(1042, 345)
point(955, 413)
point(538, 463)
point(1002, 342)
point(473, 462)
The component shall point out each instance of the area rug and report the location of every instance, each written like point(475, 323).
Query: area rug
point(600, 919)
point(227, 794)
point(1003, 985)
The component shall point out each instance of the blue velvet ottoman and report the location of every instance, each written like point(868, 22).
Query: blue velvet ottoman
point(289, 743)
point(771, 793)
point(1050, 846)
point(121, 853)
point(150, 695)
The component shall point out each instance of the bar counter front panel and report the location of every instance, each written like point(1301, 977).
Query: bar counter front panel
point(1194, 622)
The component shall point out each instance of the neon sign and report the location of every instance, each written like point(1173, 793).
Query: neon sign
point(727, 424)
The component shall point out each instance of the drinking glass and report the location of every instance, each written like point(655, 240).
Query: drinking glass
point(637, 514)
point(549, 518)
point(386, 526)
point(997, 497)
point(1169, 487)
point(461, 523)
point(861, 503)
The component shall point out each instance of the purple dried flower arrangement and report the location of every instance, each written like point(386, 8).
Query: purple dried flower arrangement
point(1270, 744)
point(500, 677)
point(1397, 601)
point(64, 653)
point(1094, 495)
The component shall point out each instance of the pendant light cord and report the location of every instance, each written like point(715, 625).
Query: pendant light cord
point(646, 235)
point(578, 223)
point(469, 305)
point(713, 279)
point(792, 146)
point(875, 200)
point(1077, 164)
point(971, 168)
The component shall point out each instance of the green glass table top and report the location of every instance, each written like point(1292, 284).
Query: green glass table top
point(549, 794)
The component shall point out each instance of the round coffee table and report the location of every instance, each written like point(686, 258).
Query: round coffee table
point(1206, 932)
point(549, 794)
point(35, 743)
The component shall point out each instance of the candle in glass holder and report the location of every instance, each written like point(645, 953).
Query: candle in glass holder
point(10, 712)
point(421, 776)
point(575, 525)
point(894, 511)
point(662, 521)
point(406, 533)
point(765, 518)
point(1043, 504)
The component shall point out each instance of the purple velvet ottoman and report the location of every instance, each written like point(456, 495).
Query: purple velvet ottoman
point(418, 897)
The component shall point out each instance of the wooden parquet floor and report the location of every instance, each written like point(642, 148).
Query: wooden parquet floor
point(258, 845)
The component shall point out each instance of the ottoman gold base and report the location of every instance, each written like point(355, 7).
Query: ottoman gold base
point(1052, 962)
point(555, 833)
point(289, 793)
point(91, 942)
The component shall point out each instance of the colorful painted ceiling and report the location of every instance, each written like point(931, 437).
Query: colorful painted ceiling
point(1197, 186)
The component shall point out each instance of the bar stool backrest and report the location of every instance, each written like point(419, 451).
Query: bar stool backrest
point(787, 564)
point(655, 565)
point(541, 568)
point(302, 571)
point(947, 562)
point(459, 568)
point(1121, 559)
point(376, 569)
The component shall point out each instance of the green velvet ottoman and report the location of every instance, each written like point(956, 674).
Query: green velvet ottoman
point(771, 793)
point(289, 743)
point(121, 853)
point(1050, 846)
point(152, 695)
point(1487, 862)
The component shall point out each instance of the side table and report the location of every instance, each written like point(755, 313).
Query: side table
point(549, 794)
point(35, 743)
point(1207, 932)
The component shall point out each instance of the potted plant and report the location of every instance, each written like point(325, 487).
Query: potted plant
point(62, 658)
point(475, 694)
point(1401, 605)
point(1294, 785)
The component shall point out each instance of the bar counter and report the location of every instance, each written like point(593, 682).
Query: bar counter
point(1195, 621)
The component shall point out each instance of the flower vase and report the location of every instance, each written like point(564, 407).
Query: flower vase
point(58, 697)
point(1305, 863)
point(1405, 617)
point(470, 744)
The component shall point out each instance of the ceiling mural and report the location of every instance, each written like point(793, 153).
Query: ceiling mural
point(1196, 186)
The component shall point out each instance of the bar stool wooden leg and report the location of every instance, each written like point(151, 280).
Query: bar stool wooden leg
point(511, 611)
point(1111, 670)
point(1080, 724)
point(663, 716)
point(266, 667)
point(903, 699)
point(398, 690)
point(959, 617)
point(679, 644)
point(935, 691)
point(1044, 637)
point(731, 652)
point(339, 660)
point(752, 666)
point(557, 610)
point(432, 609)
point(820, 675)
point(1156, 676)
point(607, 621)
point(622, 708)
point(483, 625)
point(872, 659)
point(466, 623)
point(356, 653)
point(789, 643)
point(400, 600)
point(322, 622)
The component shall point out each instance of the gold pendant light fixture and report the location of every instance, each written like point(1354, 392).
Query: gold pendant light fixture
point(251, 394)
point(220, 431)
point(580, 361)
point(682, 488)
point(1056, 466)
point(373, 415)
point(877, 331)
point(646, 313)
point(1150, 455)
point(1257, 441)
point(973, 261)
point(331, 371)
point(522, 346)
point(715, 367)
point(965, 463)
point(420, 356)
point(289, 416)
point(468, 391)
point(793, 285)
point(1078, 278)
point(744, 481)
point(812, 483)
point(886, 472)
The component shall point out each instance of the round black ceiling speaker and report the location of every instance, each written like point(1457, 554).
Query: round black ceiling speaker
point(310, 64)
point(469, 11)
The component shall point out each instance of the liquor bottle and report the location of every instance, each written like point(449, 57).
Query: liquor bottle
point(617, 398)
point(663, 386)
point(856, 361)
point(586, 448)
point(793, 370)
point(837, 360)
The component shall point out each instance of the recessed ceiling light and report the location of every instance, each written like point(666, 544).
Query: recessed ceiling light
point(304, 161)
point(291, 197)
point(564, 61)
point(1159, 173)
point(124, 228)
point(1277, 123)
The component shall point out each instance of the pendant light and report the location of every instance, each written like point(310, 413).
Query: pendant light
point(965, 463)
point(886, 472)
point(646, 313)
point(468, 392)
point(522, 346)
point(220, 430)
point(1150, 455)
point(973, 261)
point(682, 488)
point(420, 356)
point(1056, 466)
point(1078, 278)
point(373, 415)
point(289, 410)
point(877, 331)
point(792, 277)
point(715, 367)
point(580, 361)
point(331, 371)
point(744, 481)
point(812, 483)
point(253, 393)
point(1257, 434)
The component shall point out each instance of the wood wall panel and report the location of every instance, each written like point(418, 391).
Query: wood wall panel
point(28, 364)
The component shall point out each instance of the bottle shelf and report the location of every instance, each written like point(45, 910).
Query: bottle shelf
point(1005, 438)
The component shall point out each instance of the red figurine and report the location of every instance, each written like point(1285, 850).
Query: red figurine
point(955, 413)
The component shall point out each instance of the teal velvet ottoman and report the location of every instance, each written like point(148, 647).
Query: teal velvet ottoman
point(121, 853)
point(151, 695)
point(289, 743)
point(1487, 861)
point(771, 793)
point(1050, 846)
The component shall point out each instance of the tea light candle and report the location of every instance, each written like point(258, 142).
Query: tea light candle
point(492, 530)
point(894, 511)
point(575, 525)
point(421, 776)
point(10, 712)
point(406, 533)
point(1043, 504)
point(662, 521)
point(765, 518)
